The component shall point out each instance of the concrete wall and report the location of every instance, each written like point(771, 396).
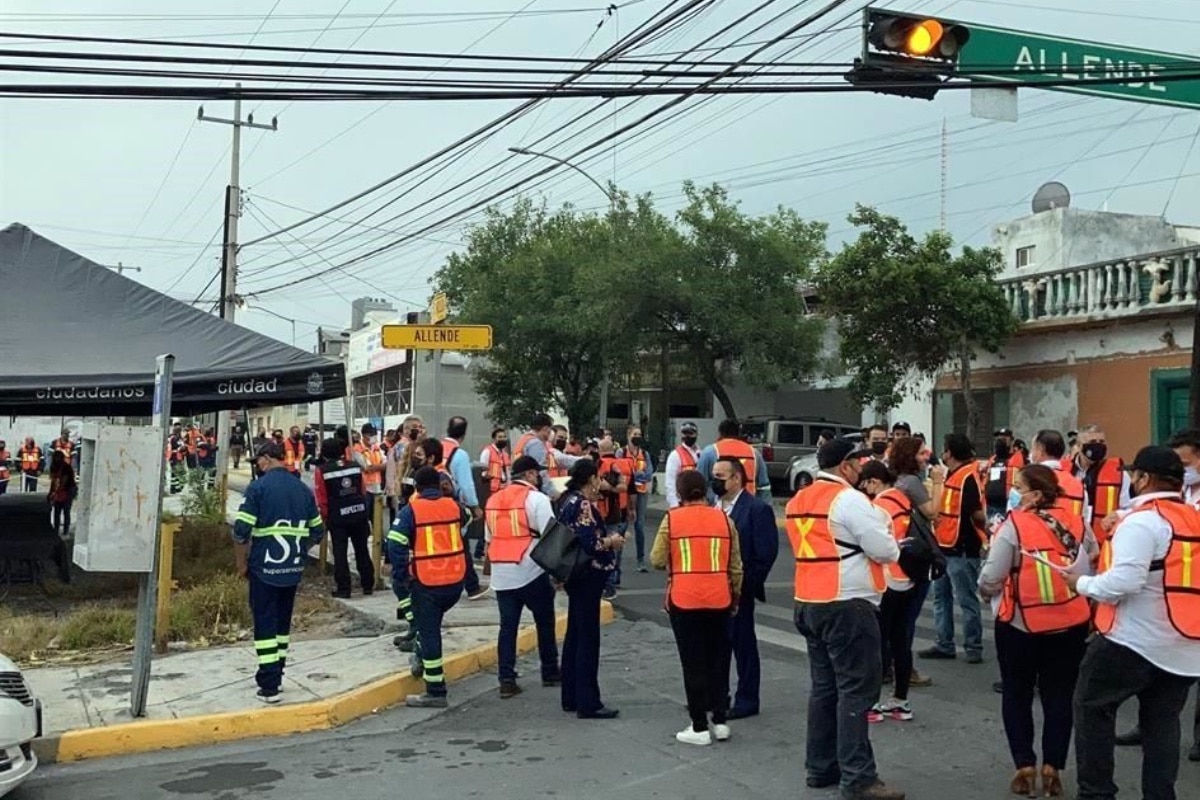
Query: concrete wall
point(1052, 402)
point(1068, 237)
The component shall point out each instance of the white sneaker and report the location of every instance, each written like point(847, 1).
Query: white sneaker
point(690, 736)
point(721, 732)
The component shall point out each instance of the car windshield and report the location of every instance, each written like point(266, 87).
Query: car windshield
point(754, 432)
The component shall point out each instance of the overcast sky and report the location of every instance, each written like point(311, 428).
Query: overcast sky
point(141, 182)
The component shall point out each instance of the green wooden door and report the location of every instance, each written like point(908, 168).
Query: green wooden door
point(1169, 402)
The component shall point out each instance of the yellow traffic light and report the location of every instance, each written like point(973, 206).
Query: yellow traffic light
point(917, 37)
point(924, 37)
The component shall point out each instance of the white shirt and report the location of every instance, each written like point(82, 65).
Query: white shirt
point(672, 473)
point(1191, 496)
point(1141, 621)
point(855, 519)
point(514, 576)
point(728, 507)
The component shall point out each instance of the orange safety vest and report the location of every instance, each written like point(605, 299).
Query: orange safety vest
point(374, 457)
point(508, 521)
point(743, 452)
point(899, 508)
point(193, 438)
point(31, 460)
point(698, 567)
point(1180, 569)
point(1047, 603)
point(639, 465)
point(1010, 472)
point(293, 455)
point(498, 467)
point(613, 464)
point(63, 447)
point(1017, 459)
point(819, 556)
point(553, 470)
point(449, 448)
point(687, 459)
point(437, 543)
point(3, 464)
point(1073, 493)
point(949, 515)
point(1107, 496)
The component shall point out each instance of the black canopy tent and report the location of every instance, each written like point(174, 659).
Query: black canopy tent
point(77, 338)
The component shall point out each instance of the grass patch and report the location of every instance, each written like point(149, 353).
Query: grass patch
point(211, 610)
point(96, 626)
point(26, 637)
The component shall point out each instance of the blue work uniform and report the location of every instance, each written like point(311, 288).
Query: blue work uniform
point(429, 604)
point(279, 519)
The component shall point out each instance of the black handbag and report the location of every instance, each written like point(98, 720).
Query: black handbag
point(558, 552)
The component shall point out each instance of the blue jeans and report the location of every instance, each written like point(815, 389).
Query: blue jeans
point(960, 582)
point(538, 597)
point(843, 659)
point(639, 526)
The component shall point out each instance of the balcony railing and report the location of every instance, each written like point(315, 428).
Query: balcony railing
point(1163, 282)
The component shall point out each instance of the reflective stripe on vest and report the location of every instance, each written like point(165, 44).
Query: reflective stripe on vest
point(1181, 567)
point(437, 545)
point(624, 467)
point(698, 567)
point(819, 556)
point(1107, 495)
point(687, 459)
point(497, 468)
point(508, 522)
point(949, 515)
point(344, 495)
point(293, 454)
point(374, 458)
point(31, 459)
point(743, 452)
point(1073, 493)
point(639, 466)
point(899, 509)
point(1047, 603)
point(552, 468)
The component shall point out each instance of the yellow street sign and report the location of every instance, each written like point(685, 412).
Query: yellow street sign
point(439, 308)
point(436, 337)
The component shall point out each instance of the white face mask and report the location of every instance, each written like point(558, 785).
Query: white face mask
point(1191, 476)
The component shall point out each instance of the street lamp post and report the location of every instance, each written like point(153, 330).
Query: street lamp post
point(612, 206)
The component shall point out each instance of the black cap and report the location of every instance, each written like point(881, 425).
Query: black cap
point(1158, 460)
point(688, 427)
point(525, 464)
point(270, 449)
point(1003, 432)
point(838, 451)
point(902, 426)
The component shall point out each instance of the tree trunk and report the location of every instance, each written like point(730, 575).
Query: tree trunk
point(964, 377)
point(714, 385)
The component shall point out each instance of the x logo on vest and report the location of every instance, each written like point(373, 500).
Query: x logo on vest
point(804, 528)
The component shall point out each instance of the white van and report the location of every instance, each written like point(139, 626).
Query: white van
point(20, 724)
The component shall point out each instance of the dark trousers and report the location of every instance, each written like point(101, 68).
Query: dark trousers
point(614, 577)
point(581, 647)
point(272, 610)
point(843, 658)
point(914, 609)
point(471, 582)
point(896, 647)
point(4, 486)
point(538, 597)
point(744, 651)
point(1109, 675)
point(359, 536)
point(702, 639)
point(402, 588)
point(1049, 663)
point(61, 517)
point(29, 482)
point(430, 604)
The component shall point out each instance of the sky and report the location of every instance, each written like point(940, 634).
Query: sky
point(141, 183)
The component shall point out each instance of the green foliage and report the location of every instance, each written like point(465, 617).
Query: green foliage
point(200, 497)
point(97, 626)
point(909, 308)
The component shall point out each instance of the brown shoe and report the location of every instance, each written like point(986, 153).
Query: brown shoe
point(1051, 783)
point(876, 791)
point(917, 679)
point(1024, 782)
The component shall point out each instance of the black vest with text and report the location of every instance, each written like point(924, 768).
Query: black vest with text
point(344, 490)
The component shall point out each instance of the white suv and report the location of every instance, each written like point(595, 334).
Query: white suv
point(20, 724)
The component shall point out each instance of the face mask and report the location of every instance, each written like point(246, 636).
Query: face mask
point(718, 486)
point(538, 482)
point(878, 448)
point(414, 435)
point(502, 444)
point(1191, 476)
point(1134, 491)
point(1014, 499)
point(1096, 451)
point(1002, 450)
point(690, 441)
point(560, 444)
point(637, 441)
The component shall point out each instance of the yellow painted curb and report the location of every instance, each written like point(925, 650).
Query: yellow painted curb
point(229, 726)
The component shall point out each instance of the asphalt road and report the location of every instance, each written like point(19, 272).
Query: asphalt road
point(526, 747)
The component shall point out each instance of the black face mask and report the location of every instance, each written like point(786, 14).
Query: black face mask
point(1095, 451)
point(560, 444)
point(718, 486)
point(502, 444)
point(1002, 450)
point(637, 441)
point(690, 441)
point(414, 435)
point(878, 448)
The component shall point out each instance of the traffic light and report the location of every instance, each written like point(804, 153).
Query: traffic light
point(917, 37)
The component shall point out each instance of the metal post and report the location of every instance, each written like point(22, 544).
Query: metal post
point(323, 550)
point(143, 641)
point(437, 390)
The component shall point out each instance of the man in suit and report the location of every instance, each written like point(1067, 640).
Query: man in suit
point(758, 537)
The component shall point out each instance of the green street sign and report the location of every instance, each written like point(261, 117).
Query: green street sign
point(998, 55)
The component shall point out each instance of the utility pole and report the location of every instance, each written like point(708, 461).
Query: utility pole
point(943, 189)
point(233, 210)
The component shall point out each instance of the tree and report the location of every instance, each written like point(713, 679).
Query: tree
point(909, 308)
point(541, 281)
point(726, 289)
